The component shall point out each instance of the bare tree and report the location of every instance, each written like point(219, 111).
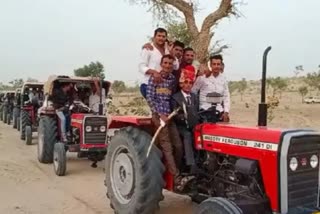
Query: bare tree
point(201, 37)
point(303, 90)
point(242, 86)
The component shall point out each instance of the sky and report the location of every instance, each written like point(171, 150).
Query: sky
point(39, 38)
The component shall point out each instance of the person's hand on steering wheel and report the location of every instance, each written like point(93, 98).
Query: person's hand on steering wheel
point(225, 117)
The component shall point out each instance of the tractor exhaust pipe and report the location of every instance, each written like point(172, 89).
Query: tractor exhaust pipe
point(263, 110)
point(100, 104)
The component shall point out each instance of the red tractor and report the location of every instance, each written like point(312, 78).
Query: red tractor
point(88, 130)
point(31, 99)
point(249, 170)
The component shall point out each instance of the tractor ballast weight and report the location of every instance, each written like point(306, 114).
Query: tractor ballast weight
point(88, 131)
point(244, 170)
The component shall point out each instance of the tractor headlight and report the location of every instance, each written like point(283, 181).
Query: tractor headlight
point(293, 164)
point(102, 128)
point(88, 128)
point(314, 161)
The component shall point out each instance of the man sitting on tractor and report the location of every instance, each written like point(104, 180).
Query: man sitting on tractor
point(94, 99)
point(187, 117)
point(60, 100)
point(214, 82)
point(159, 96)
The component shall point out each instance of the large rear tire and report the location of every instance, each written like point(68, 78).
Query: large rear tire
point(47, 137)
point(25, 120)
point(134, 182)
point(59, 159)
point(218, 205)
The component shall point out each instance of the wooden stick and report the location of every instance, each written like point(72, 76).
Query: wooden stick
point(159, 129)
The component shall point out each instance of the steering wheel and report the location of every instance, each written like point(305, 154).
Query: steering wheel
point(209, 115)
point(80, 107)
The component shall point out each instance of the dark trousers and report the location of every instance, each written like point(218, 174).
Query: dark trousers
point(170, 143)
point(187, 136)
point(143, 90)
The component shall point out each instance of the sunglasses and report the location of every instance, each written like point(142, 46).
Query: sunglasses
point(188, 82)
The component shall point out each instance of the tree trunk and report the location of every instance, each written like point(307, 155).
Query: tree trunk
point(200, 46)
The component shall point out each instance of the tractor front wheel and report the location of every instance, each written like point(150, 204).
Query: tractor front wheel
point(15, 117)
point(28, 135)
point(47, 137)
point(25, 120)
point(59, 159)
point(218, 205)
point(1, 113)
point(8, 118)
point(134, 182)
point(18, 123)
point(4, 115)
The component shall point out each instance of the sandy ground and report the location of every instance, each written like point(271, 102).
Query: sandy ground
point(26, 186)
point(29, 187)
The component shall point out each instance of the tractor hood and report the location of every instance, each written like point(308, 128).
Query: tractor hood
point(258, 138)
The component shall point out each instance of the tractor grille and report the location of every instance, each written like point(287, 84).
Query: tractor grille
point(95, 136)
point(303, 184)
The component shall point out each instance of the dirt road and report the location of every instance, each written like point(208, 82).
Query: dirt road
point(28, 187)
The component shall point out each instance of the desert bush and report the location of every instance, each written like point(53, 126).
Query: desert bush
point(272, 103)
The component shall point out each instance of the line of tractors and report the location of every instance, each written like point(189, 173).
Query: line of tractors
point(244, 170)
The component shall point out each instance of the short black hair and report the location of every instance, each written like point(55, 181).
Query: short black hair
point(160, 30)
point(188, 49)
point(217, 56)
point(178, 44)
point(166, 56)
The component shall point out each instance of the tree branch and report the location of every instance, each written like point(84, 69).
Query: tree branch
point(188, 12)
point(224, 10)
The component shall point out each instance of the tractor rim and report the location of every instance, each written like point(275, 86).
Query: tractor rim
point(122, 175)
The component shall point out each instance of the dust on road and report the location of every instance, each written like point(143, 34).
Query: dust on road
point(29, 187)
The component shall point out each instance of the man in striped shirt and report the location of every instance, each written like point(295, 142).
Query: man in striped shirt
point(158, 96)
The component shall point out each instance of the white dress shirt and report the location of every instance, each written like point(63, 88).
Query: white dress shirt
point(94, 101)
point(151, 59)
point(204, 85)
point(185, 95)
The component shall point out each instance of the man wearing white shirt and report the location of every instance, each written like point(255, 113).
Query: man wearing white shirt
point(215, 82)
point(94, 98)
point(150, 59)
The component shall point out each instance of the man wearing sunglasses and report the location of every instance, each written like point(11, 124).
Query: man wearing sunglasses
point(214, 82)
point(187, 117)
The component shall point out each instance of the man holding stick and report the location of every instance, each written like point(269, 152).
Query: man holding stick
point(158, 96)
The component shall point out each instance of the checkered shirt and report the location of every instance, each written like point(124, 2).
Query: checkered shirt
point(159, 95)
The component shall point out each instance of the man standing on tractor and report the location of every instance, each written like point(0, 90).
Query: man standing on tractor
point(159, 96)
point(187, 118)
point(214, 82)
point(150, 59)
point(60, 99)
point(94, 98)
